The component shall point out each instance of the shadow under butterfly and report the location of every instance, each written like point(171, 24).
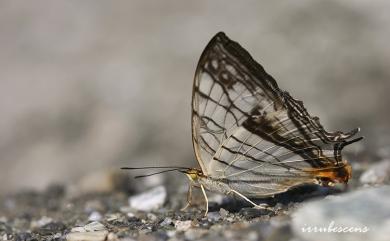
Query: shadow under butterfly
point(251, 139)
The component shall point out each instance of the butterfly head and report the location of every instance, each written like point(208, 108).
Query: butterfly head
point(193, 174)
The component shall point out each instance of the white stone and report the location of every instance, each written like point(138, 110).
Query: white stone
point(95, 216)
point(182, 226)
point(112, 217)
point(151, 217)
point(149, 200)
point(78, 229)
point(94, 226)
point(41, 222)
point(91, 227)
point(87, 236)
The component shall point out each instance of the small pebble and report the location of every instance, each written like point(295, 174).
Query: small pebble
point(41, 222)
point(166, 222)
point(152, 217)
point(94, 226)
point(78, 229)
point(95, 216)
point(91, 227)
point(224, 213)
point(250, 213)
point(113, 217)
point(149, 200)
point(24, 237)
point(87, 236)
point(213, 216)
point(230, 219)
point(182, 226)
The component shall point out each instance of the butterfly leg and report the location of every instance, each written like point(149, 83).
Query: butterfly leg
point(189, 198)
point(206, 199)
point(261, 206)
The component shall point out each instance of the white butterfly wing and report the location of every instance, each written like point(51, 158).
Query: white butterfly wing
point(249, 133)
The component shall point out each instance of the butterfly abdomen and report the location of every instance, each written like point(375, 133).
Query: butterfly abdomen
point(213, 185)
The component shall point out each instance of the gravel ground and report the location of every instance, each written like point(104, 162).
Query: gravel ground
point(121, 213)
point(89, 85)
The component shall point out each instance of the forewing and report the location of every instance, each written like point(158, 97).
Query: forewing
point(248, 132)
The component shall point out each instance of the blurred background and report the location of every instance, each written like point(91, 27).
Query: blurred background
point(87, 86)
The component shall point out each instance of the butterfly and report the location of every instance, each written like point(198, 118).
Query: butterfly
point(252, 139)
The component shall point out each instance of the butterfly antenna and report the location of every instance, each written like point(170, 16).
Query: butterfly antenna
point(153, 167)
point(168, 169)
point(156, 173)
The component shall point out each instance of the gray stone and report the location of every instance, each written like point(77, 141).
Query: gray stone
point(361, 215)
point(377, 174)
point(23, 237)
point(166, 222)
point(250, 213)
point(224, 213)
point(213, 216)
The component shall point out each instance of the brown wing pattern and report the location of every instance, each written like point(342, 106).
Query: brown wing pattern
point(248, 132)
